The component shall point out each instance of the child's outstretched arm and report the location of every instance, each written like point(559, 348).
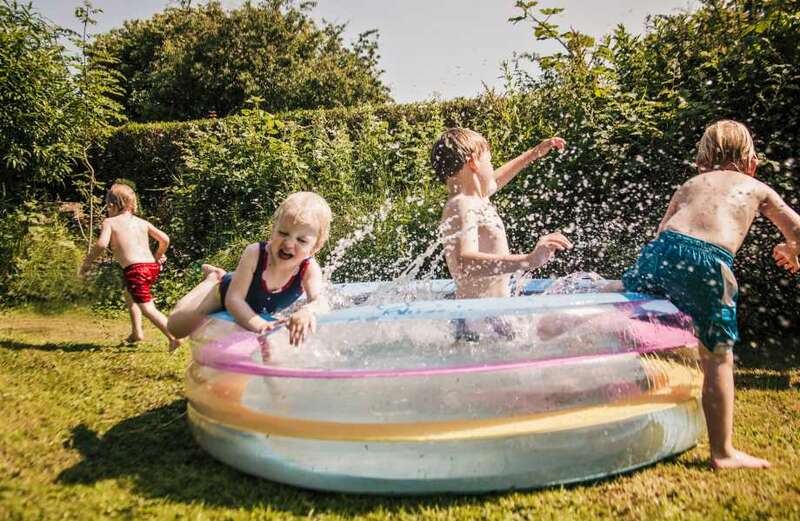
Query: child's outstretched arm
point(787, 220)
point(235, 301)
point(103, 240)
point(163, 242)
point(304, 320)
point(506, 173)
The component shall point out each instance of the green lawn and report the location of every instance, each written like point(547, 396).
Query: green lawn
point(90, 428)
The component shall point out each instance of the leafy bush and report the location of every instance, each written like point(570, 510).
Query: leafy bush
point(631, 108)
point(49, 117)
point(36, 146)
point(45, 264)
point(187, 62)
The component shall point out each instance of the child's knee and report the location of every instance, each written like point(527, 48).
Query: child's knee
point(713, 358)
point(149, 308)
point(176, 324)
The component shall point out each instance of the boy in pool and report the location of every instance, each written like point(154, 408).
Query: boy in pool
point(476, 247)
point(128, 236)
point(691, 259)
point(286, 264)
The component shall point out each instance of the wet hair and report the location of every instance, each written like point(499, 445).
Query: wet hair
point(306, 208)
point(725, 142)
point(122, 197)
point(453, 149)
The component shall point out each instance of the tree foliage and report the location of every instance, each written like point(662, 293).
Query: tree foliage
point(54, 107)
point(37, 135)
point(631, 107)
point(189, 62)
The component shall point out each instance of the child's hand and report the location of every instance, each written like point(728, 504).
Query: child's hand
point(162, 259)
point(546, 248)
point(547, 145)
point(786, 257)
point(299, 324)
point(269, 326)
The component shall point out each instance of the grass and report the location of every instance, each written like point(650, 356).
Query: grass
point(91, 428)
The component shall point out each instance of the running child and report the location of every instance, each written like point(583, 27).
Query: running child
point(690, 263)
point(128, 236)
point(270, 276)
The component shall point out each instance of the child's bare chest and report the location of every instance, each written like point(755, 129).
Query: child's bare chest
point(491, 231)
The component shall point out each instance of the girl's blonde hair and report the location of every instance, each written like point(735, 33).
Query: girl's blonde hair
point(122, 197)
point(306, 208)
point(725, 142)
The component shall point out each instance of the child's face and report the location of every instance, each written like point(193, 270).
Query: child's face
point(484, 169)
point(293, 241)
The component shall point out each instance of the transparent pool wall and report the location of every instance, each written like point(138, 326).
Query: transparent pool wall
point(451, 396)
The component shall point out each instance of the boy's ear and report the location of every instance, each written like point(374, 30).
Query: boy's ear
point(752, 165)
point(472, 162)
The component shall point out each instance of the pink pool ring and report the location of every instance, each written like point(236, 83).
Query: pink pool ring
point(452, 396)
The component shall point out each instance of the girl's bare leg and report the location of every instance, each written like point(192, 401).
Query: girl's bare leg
point(192, 309)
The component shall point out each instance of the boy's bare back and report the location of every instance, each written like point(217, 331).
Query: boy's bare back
point(129, 238)
point(472, 223)
point(719, 206)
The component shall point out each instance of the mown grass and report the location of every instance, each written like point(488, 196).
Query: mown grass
point(91, 428)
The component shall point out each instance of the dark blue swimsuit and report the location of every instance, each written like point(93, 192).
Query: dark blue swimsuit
point(263, 301)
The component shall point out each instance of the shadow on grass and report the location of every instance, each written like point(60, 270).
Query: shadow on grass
point(67, 347)
point(763, 382)
point(157, 452)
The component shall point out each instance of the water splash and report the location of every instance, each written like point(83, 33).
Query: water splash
point(577, 282)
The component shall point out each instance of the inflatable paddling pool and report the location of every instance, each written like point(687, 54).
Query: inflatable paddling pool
point(451, 396)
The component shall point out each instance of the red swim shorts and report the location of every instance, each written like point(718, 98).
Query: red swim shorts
point(138, 279)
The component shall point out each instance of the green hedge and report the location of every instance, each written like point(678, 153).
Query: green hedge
point(631, 108)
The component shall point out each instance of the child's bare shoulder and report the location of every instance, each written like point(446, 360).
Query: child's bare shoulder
point(140, 222)
point(313, 267)
point(462, 203)
point(749, 187)
point(251, 249)
point(717, 180)
point(110, 222)
point(457, 209)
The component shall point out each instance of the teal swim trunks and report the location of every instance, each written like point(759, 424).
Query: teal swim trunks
point(697, 277)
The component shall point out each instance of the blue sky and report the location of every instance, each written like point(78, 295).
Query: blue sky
point(429, 48)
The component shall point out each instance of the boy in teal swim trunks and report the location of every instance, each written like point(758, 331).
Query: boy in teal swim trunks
point(690, 263)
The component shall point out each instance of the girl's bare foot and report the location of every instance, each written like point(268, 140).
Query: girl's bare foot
point(212, 271)
point(132, 339)
point(739, 459)
point(174, 344)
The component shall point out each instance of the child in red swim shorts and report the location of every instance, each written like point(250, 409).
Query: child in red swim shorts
point(129, 239)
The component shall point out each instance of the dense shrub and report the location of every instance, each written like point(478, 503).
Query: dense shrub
point(45, 263)
point(631, 108)
point(189, 61)
point(55, 107)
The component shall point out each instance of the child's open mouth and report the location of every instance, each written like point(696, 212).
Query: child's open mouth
point(284, 255)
